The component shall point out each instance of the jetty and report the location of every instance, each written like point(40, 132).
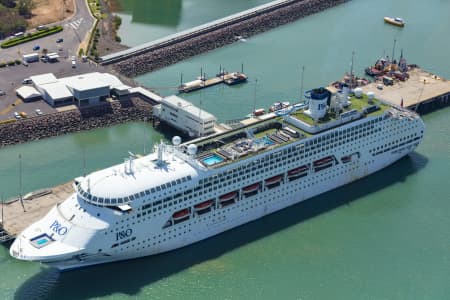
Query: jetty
point(17, 214)
point(229, 78)
point(234, 28)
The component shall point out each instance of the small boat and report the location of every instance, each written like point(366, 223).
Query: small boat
point(227, 197)
point(251, 188)
point(273, 180)
point(259, 112)
point(235, 78)
point(279, 105)
point(203, 205)
point(181, 214)
point(395, 21)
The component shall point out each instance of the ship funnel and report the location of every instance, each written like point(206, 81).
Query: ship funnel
point(318, 103)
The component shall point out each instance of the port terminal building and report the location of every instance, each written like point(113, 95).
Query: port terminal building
point(83, 89)
point(184, 116)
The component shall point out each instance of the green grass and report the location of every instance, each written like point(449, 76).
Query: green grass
point(30, 37)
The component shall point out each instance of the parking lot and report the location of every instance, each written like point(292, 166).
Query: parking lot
point(11, 78)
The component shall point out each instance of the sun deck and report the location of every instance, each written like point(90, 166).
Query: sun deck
point(275, 130)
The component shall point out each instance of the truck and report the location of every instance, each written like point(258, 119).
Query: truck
point(32, 57)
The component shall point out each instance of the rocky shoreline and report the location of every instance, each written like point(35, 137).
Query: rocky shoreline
point(107, 114)
point(163, 57)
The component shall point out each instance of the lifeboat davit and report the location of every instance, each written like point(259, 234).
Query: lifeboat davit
point(273, 180)
point(227, 197)
point(181, 214)
point(323, 161)
point(203, 205)
point(251, 188)
point(296, 171)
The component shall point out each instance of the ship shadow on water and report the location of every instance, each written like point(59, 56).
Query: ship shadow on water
point(128, 277)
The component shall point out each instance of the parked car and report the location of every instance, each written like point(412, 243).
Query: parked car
point(37, 47)
point(74, 64)
point(60, 40)
point(16, 115)
point(39, 112)
point(42, 27)
point(25, 63)
point(27, 81)
point(2, 93)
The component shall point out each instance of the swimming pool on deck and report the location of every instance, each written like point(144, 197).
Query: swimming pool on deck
point(212, 160)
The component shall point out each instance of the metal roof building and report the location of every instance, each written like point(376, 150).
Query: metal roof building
point(28, 93)
point(184, 116)
point(90, 88)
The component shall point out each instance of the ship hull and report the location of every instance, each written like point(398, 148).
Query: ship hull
point(263, 203)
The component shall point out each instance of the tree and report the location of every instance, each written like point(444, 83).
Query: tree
point(25, 7)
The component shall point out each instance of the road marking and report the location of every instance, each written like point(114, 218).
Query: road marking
point(75, 24)
point(10, 107)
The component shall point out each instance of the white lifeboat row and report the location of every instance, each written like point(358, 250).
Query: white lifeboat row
point(231, 197)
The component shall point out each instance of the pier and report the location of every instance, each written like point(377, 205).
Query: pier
point(422, 92)
point(202, 82)
point(17, 217)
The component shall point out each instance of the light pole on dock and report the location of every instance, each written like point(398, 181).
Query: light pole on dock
point(20, 182)
point(145, 134)
point(393, 50)
point(254, 97)
point(301, 85)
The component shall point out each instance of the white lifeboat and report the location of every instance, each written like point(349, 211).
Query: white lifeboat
point(273, 180)
point(251, 188)
point(181, 214)
point(203, 205)
point(227, 197)
point(296, 171)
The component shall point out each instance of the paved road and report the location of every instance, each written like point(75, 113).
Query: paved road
point(75, 29)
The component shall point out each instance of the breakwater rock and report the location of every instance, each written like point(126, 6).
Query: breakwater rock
point(107, 114)
point(162, 57)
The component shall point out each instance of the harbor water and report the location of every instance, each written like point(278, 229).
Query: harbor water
point(382, 237)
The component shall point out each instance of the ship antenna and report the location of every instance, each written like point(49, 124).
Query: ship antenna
point(301, 84)
point(20, 182)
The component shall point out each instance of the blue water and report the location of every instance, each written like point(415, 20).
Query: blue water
point(212, 160)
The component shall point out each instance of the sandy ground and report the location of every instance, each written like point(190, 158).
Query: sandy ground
point(49, 11)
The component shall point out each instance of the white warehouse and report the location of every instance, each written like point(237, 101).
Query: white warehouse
point(83, 89)
point(185, 117)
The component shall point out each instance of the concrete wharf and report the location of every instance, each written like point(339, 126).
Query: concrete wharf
point(422, 92)
point(201, 83)
point(15, 219)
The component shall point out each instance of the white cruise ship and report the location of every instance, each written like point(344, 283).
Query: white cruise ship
point(184, 193)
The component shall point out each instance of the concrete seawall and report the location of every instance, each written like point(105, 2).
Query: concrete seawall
point(107, 114)
point(218, 36)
